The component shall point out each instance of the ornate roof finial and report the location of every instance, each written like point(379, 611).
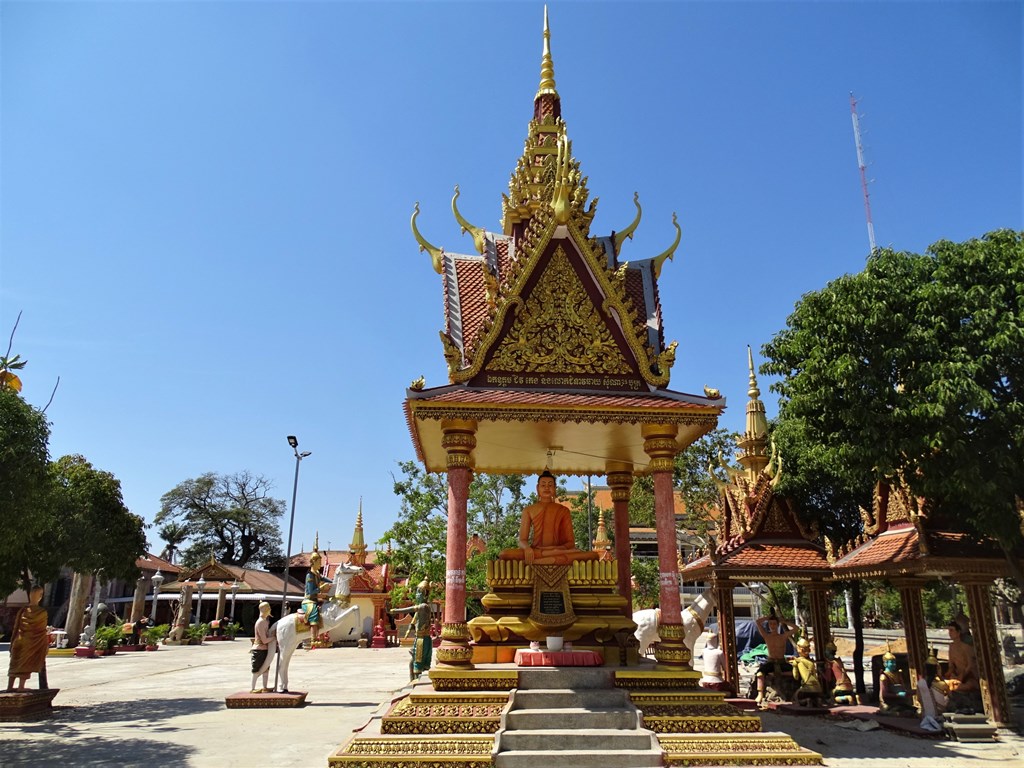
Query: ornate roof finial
point(357, 549)
point(754, 443)
point(659, 260)
point(547, 67)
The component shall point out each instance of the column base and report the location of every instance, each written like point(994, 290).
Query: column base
point(455, 650)
point(672, 651)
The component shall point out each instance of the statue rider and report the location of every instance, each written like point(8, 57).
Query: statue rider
point(315, 587)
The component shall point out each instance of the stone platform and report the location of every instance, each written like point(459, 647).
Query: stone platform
point(249, 700)
point(26, 705)
point(545, 717)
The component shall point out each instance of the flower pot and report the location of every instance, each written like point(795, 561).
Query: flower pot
point(151, 647)
point(554, 643)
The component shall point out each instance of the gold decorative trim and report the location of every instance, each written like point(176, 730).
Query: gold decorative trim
point(473, 680)
point(455, 631)
point(375, 747)
point(505, 412)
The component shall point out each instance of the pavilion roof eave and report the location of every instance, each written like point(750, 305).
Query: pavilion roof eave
point(583, 431)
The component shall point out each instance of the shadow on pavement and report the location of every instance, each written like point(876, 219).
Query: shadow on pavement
point(92, 750)
point(150, 711)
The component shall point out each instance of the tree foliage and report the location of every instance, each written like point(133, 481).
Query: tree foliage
point(92, 528)
point(911, 370)
point(233, 517)
point(24, 487)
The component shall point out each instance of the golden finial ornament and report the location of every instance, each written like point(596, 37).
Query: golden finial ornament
point(436, 254)
point(659, 260)
point(476, 232)
point(547, 67)
point(711, 392)
point(418, 384)
point(620, 237)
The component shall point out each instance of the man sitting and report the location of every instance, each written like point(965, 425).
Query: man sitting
point(776, 636)
point(550, 523)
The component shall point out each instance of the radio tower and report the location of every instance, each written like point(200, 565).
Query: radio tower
point(863, 172)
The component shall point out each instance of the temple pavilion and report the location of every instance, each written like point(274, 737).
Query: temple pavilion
point(557, 359)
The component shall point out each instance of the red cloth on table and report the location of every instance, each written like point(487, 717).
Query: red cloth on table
point(528, 658)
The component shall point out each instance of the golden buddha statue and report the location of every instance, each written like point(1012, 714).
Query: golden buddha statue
point(545, 534)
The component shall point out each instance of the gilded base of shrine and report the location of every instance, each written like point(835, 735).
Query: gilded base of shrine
point(659, 678)
point(452, 713)
point(727, 749)
point(469, 679)
point(435, 752)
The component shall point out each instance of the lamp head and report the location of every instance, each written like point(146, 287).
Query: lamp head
point(293, 441)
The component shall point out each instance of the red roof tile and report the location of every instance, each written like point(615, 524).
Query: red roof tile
point(781, 558)
point(554, 399)
point(472, 300)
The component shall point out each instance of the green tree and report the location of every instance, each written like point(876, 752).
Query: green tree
point(646, 582)
point(911, 370)
point(234, 517)
point(25, 487)
point(92, 528)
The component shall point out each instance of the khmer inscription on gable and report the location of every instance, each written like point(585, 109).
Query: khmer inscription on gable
point(561, 337)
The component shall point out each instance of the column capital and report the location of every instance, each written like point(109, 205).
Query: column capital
point(459, 439)
point(619, 480)
point(660, 444)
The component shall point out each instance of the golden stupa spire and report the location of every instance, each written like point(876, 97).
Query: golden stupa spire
point(357, 549)
point(547, 67)
point(754, 443)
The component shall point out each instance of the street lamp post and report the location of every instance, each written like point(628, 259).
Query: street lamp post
point(294, 443)
point(234, 594)
point(158, 579)
point(202, 585)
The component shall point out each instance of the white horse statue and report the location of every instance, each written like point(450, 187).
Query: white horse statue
point(334, 613)
point(694, 617)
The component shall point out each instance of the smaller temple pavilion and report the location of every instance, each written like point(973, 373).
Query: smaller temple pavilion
point(905, 541)
point(370, 589)
point(760, 537)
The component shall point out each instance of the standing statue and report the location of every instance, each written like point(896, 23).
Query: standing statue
point(837, 678)
point(338, 611)
point(262, 645)
point(422, 647)
point(545, 533)
point(776, 634)
point(316, 585)
point(805, 672)
point(29, 642)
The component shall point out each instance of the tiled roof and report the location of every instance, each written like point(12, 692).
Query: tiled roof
point(331, 557)
point(532, 397)
point(250, 580)
point(370, 580)
point(472, 300)
point(151, 562)
point(898, 545)
point(780, 558)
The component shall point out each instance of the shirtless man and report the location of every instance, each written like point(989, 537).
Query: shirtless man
point(776, 636)
point(963, 662)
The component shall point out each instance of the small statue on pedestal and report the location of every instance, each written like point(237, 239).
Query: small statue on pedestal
point(836, 677)
point(316, 584)
point(714, 666)
point(29, 642)
point(422, 648)
point(776, 634)
point(962, 674)
point(805, 672)
point(893, 697)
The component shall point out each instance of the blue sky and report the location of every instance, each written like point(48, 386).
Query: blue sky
point(204, 206)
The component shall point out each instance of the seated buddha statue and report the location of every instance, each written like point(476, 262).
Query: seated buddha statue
point(545, 534)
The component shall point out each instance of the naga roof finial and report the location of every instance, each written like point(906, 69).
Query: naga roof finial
point(436, 254)
point(659, 260)
point(620, 237)
point(547, 68)
point(476, 232)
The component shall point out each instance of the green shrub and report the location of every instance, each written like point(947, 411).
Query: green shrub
point(153, 635)
point(108, 637)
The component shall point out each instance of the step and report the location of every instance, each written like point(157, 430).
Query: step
point(543, 758)
point(586, 697)
point(566, 677)
point(971, 731)
point(570, 718)
point(578, 740)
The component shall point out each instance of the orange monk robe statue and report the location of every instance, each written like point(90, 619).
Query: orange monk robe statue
point(29, 642)
point(552, 541)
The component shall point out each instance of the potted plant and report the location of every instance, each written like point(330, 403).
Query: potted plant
point(152, 636)
point(196, 632)
point(106, 639)
point(232, 630)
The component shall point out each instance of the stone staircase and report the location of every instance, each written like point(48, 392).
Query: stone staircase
point(572, 718)
point(968, 727)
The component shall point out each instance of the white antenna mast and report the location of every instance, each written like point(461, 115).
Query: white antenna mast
point(863, 172)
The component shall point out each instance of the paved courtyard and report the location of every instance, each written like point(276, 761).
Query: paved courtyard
point(167, 707)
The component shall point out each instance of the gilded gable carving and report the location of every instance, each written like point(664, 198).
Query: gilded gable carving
point(559, 330)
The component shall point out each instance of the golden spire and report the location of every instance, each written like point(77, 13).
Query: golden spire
point(754, 443)
point(601, 541)
point(357, 549)
point(547, 67)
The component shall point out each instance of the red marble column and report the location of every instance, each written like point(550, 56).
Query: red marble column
point(660, 444)
point(459, 440)
point(620, 480)
point(990, 668)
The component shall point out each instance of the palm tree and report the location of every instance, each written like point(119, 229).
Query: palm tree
point(174, 534)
